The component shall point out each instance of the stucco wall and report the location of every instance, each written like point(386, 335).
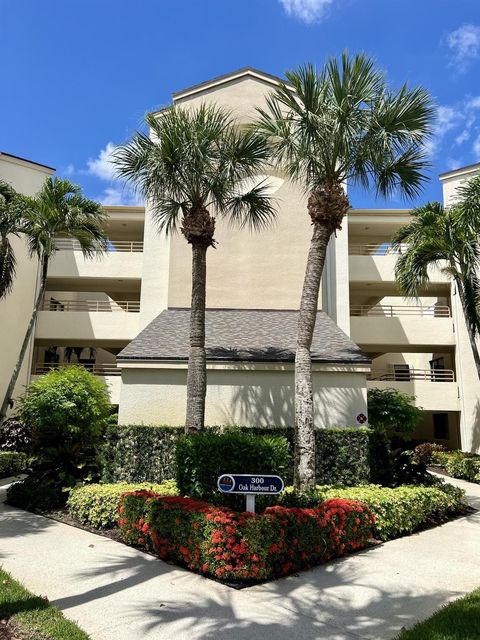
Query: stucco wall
point(262, 270)
point(239, 397)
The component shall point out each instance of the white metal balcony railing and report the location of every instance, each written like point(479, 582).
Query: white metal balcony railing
point(93, 306)
point(428, 375)
point(393, 311)
point(113, 246)
point(376, 249)
point(97, 369)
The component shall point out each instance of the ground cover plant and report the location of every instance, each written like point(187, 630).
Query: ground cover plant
point(402, 510)
point(24, 616)
point(96, 505)
point(459, 620)
point(221, 543)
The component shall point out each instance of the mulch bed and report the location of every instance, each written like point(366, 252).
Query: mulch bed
point(6, 632)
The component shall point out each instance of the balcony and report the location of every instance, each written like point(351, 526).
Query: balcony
point(394, 311)
point(433, 389)
point(92, 306)
point(384, 327)
point(123, 259)
point(74, 321)
point(376, 263)
point(407, 375)
point(110, 375)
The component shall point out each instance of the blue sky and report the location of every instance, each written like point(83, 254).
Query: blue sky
point(78, 75)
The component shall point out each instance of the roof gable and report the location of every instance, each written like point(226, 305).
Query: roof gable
point(239, 75)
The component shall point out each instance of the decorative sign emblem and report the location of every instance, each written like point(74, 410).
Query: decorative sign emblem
point(248, 483)
point(361, 418)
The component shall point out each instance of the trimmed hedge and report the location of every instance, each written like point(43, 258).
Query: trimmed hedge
point(465, 466)
point(11, 463)
point(139, 453)
point(97, 504)
point(402, 510)
point(240, 547)
point(202, 457)
point(146, 453)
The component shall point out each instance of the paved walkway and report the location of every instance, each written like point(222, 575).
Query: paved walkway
point(117, 593)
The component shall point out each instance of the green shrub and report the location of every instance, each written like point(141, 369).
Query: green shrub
point(68, 404)
point(12, 462)
point(201, 457)
point(343, 456)
point(242, 547)
point(402, 510)
point(15, 435)
point(67, 410)
point(140, 453)
point(97, 504)
point(459, 464)
point(381, 462)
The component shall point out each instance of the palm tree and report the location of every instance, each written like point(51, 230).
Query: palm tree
point(198, 164)
point(59, 209)
point(447, 238)
point(10, 225)
point(342, 124)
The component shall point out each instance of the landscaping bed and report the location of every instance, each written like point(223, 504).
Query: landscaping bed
point(24, 616)
point(458, 464)
point(221, 543)
point(181, 524)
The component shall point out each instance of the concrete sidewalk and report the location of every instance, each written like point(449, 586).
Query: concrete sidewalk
point(117, 593)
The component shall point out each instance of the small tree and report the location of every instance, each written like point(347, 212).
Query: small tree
point(393, 411)
point(67, 410)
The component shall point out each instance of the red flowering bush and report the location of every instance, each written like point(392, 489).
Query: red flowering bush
point(219, 542)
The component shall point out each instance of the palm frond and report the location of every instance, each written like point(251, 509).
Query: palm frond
point(7, 267)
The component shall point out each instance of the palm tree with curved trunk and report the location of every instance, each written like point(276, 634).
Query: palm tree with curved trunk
point(339, 125)
point(446, 238)
point(10, 225)
point(198, 164)
point(58, 210)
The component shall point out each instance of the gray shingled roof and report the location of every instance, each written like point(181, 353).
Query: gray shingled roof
point(241, 334)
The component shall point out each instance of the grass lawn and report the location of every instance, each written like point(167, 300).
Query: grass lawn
point(459, 620)
point(31, 617)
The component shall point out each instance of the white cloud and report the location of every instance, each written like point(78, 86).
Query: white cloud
point(102, 166)
point(462, 137)
point(464, 43)
point(474, 103)
point(69, 170)
point(476, 148)
point(119, 195)
point(448, 118)
point(308, 11)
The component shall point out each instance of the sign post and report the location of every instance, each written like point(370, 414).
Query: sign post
point(250, 485)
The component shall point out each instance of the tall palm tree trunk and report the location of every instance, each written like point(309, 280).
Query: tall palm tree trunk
point(197, 362)
point(471, 335)
point(26, 340)
point(304, 427)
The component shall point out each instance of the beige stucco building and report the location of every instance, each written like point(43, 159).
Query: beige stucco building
point(94, 309)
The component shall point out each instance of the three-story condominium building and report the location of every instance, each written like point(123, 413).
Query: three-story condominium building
point(125, 316)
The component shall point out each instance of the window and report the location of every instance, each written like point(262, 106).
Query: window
point(401, 372)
